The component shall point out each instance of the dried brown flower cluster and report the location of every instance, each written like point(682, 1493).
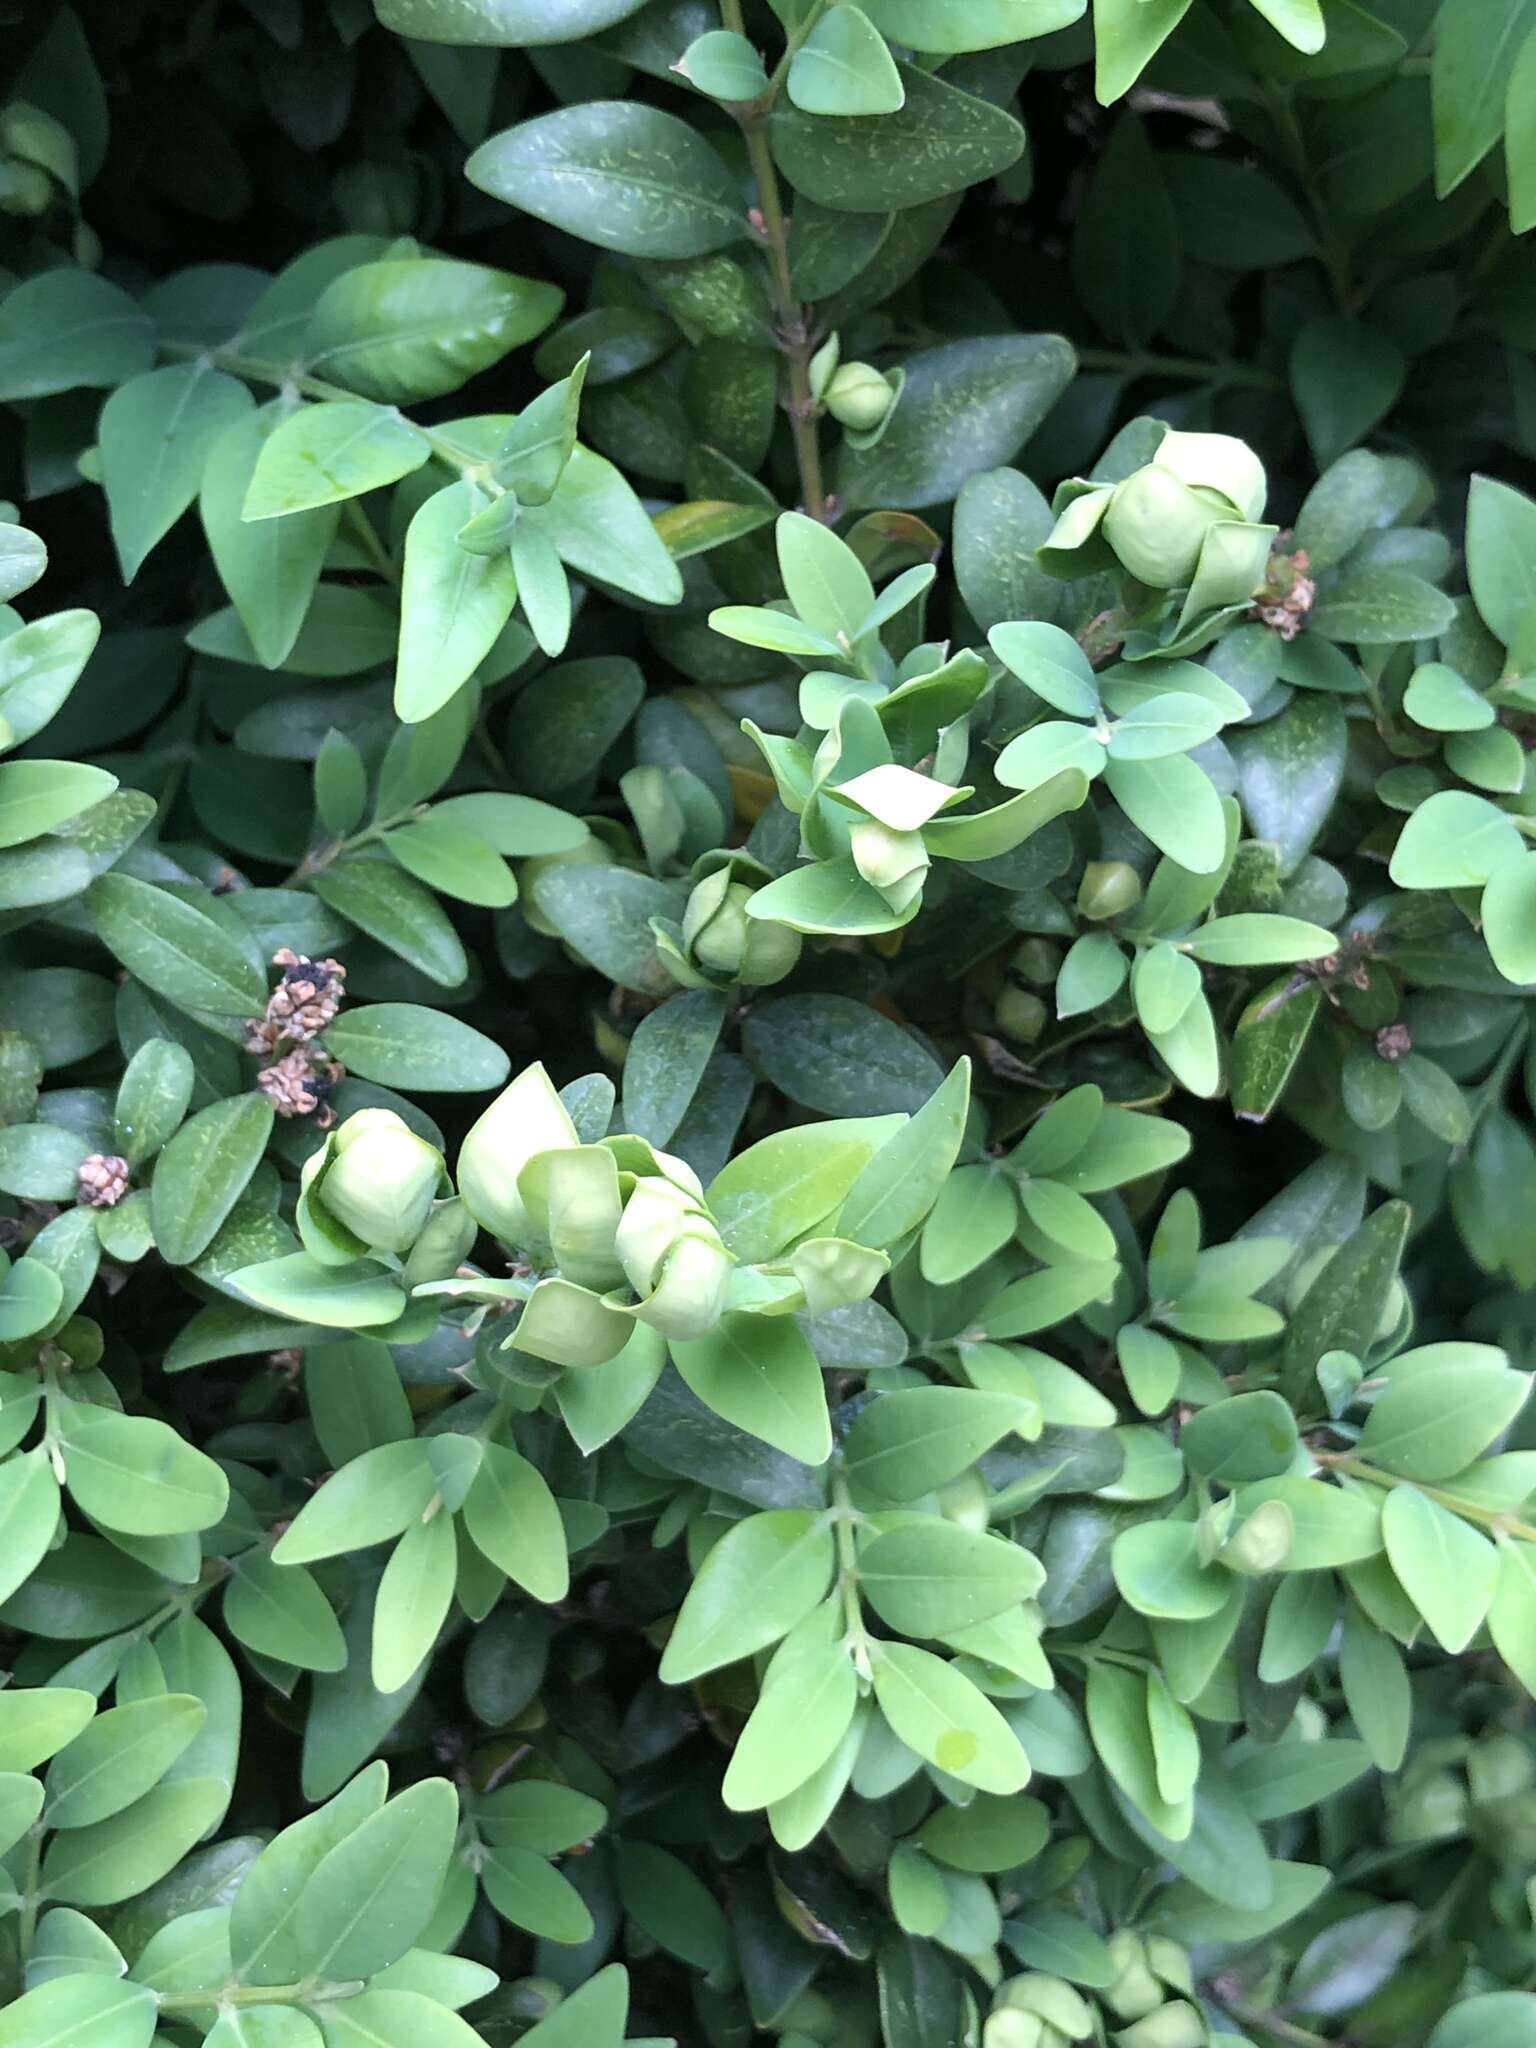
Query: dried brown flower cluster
point(300, 1076)
point(1288, 593)
point(103, 1180)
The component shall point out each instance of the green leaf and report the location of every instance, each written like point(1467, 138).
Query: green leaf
point(175, 948)
point(511, 1515)
point(1376, 1689)
point(1501, 533)
point(667, 1056)
point(115, 1859)
point(838, 1056)
point(29, 1515)
point(504, 24)
point(844, 67)
point(803, 1713)
point(1469, 73)
point(1127, 34)
point(761, 1374)
point(358, 1297)
point(1289, 772)
point(66, 328)
point(369, 1897)
point(323, 454)
point(591, 2017)
point(932, 1576)
point(1158, 1571)
point(39, 796)
point(618, 173)
point(897, 1188)
point(453, 604)
point(414, 1595)
point(202, 1173)
point(155, 437)
point(1445, 1567)
point(724, 65)
point(1511, 1618)
point(1343, 1307)
point(1378, 607)
point(1128, 283)
point(941, 140)
point(373, 1498)
point(37, 1721)
point(937, 1711)
point(152, 1098)
point(1250, 1436)
point(280, 1612)
point(780, 1188)
point(264, 1936)
point(397, 911)
point(419, 327)
point(915, 1440)
point(271, 568)
point(672, 1906)
point(1488, 2019)
point(81, 2010)
point(762, 1577)
point(527, 1891)
point(133, 1473)
point(1174, 802)
point(1345, 376)
point(1122, 1735)
point(965, 406)
point(123, 1752)
point(1434, 1419)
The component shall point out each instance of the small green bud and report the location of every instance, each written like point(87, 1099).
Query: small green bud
point(1108, 889)
point(1499, 1767)
point(1136, 1990)
point(1019, 1015)
point(859, 397)
point(1433, 1809)
point(1036, 961)
point(656, 1212)
point(1175, 2025)
point(722, 939)
point(380, 1181)
point(1218, 463)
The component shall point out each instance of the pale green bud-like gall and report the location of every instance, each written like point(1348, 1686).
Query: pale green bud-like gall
point(1135, 1990)
point(570, 1325)
point(380, 1180)
point(859, 397)
point(1175, 2025)
point(1263, 1542)
point(25, 191)
point(722, 939)
point(1008, 2028)
point(1108, 889)
point(443, 1245)
point(527, 1117)
point(1169, 1961)
point(1219, 463)
point(965, 1502)
point(1053, 1999)
point(1157, 525)
point(689, 1296)
point(656, 1212)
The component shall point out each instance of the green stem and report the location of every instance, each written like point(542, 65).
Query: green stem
point(1139, 363)
point(284, 377)
point(363, 530)
point(844, 1523)
point(1496, 1520)
point(1333, 249)
point(795, 339)
point(31, 1894)
point(321, 857)
point(312, 1991)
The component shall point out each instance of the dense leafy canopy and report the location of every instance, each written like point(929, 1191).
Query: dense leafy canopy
point(766, 904)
